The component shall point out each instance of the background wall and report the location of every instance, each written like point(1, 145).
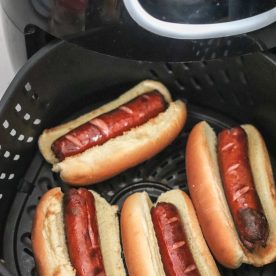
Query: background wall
point(6, 71)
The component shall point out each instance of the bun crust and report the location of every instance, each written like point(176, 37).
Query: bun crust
point(120, 153)
point(48, 236)
point(208, 197)
point(265, 186)
point(49, 242)
point(138, 236)
point(147, 259)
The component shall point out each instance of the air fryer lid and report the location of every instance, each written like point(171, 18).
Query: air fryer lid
point(154, 30)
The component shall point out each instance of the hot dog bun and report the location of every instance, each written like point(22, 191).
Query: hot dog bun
point(49, 242)
point(139, 241)
point(120, 153)
point(208, 197)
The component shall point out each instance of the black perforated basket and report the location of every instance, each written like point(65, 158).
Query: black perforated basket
point(62, 81)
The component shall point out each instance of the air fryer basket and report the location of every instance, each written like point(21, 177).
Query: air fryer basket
point(62, 81)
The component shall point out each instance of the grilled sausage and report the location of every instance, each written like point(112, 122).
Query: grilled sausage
point(81, 230)
point(174, 250)
point(109, 125)
point(239, 188)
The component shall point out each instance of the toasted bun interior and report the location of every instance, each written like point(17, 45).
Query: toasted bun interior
point(50, 135)
point(139, 242)
point(199, 249)
point(108, 226)
point(49, 241)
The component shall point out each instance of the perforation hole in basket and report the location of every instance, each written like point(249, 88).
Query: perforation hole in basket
point(169, 178)
point(27, 117)
point(186, 66)
point(30, 139)
point(16, 157)
point(2, 176)
point(110, 193)
point(7, 154)
point(11, 176)
point(28, 87)
point(35, 96)
point(225, 76)
point(179, 84)
point(239, 60)
point(26, 239)
point(210, 80)
point(21, 137)
point(122, 184)
point(18, 107)
point(203, 64)
point(196, 84)
point(28, 251)
point(13, 132)
point(154, 73)
point(243, 78)
point(169, 68)
point(213, 55)
point(1, 196)
point(37, 122)
point(31, 210)
point(197, 53)
point(225, 53)
point(6, 124)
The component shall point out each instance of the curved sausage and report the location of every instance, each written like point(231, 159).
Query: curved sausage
point(174, 250)
point(239, 188)
point(82, 234)
point(109, 125)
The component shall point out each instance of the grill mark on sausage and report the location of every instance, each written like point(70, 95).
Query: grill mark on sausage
point(240, 192)
point(126, 109)
point(172, 220)
point(227, 146)
point(232, 169)
point(74, 140)
point(145, 96)
point(178, 244)
point(102, 126)
point(190, 268)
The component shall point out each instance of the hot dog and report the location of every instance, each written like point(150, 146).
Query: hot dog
point(232, 188)
point(76, 234)
point(109, 125)
point(164, 239)
point(138, 124)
